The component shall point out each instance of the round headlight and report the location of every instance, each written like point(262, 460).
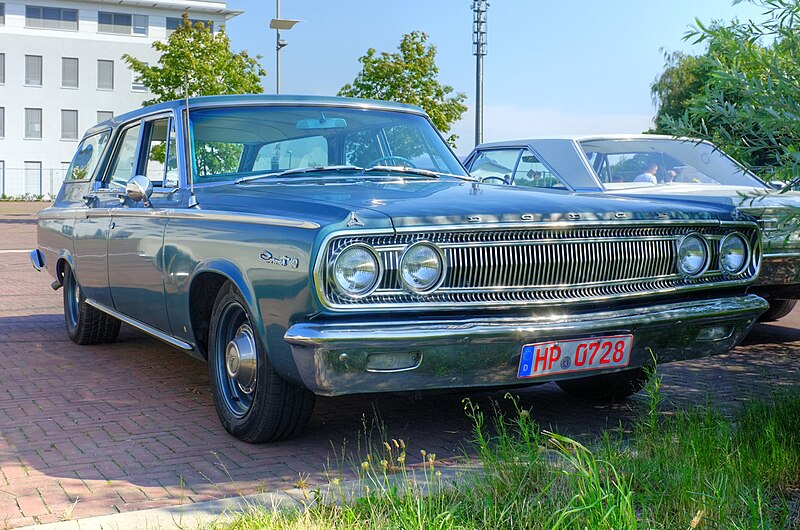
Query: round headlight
point(733, 253)
point(422, 267)
point(356, 270)
point(692, 255)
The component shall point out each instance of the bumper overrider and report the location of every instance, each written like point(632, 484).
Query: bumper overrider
point(338, 357)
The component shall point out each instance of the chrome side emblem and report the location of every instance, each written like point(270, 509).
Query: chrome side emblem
point(527, 217)
point(474, 219)
point(620, 215)
point(354, 220)
point(283, 261)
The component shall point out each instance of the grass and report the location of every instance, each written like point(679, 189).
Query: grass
point(693, 469)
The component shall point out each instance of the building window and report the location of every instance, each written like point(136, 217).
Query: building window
point(69, 124)
point(69, 72)
point(137, 85)
point(33, 123)
point(121, 23)
point(173, 24)
point(33, 176)
point(105, 74)
point(51, 18)
point(140, 25)
point(2, 68)
point(2, 14)
point(2, 122)
point(103, 115)
point(33, 70)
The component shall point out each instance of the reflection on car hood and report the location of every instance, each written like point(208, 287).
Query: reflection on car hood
point(751, 200)
point(439, 202)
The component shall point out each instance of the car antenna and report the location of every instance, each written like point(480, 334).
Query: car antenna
point(189, 165)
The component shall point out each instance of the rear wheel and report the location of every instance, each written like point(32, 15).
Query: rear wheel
point(606, 387)
point(253, 402)
point(777, 309)
point(85, 324)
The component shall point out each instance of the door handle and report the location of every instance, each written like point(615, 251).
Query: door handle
point(113, 225)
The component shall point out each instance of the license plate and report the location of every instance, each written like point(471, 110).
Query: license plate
point(574, 355)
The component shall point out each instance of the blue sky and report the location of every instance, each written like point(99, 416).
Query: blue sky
point(574, 66)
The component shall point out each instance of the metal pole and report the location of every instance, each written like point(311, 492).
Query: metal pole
point(479, 49)
point(277, 49)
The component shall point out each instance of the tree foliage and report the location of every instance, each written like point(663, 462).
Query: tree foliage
point(195, 55)
point(683, 78)
point(749, 104)
point(409, 76)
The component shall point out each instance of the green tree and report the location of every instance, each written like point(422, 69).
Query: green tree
point(196, 56)
point(409, 76)
point(750, 103)
point(683, 78)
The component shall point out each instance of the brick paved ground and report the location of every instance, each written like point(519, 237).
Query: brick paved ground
point(96, 430)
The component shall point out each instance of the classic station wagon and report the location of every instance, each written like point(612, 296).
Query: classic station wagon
point(330, 246)
point(661, 167)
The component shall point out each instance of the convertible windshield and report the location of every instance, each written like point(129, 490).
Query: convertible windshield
point(623, 163)
point(233, 143)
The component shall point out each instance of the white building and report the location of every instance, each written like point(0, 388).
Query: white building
point(61, 71)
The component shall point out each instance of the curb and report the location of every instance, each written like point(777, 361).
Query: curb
point(187, 516)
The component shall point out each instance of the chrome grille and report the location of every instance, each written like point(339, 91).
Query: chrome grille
point(530, 267)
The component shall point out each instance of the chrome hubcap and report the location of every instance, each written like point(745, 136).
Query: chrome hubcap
point(240, 359)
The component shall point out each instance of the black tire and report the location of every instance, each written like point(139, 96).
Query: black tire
point(257, 408)
point(777, 309)
point(85, 324)
point(606, 387)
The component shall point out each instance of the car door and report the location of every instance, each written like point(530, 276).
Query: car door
point(91, 228)
point(136, 234)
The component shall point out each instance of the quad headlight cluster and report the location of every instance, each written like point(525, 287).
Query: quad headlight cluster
point(694, 254)
point(356, 270)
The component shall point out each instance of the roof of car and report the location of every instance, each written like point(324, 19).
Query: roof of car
point(260, 99)
point(581, 138)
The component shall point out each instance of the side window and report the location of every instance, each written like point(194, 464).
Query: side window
point(88, 156)
point(531, 173)
point(361, 148)
point(122, 165)
point(495, 166)
point(173, 177)
point(154, 150)
point(288, 154)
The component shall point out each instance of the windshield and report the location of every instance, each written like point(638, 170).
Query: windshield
point(235, 142)
point(662, 162)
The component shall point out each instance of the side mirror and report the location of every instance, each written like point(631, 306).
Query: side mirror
point(139, 188)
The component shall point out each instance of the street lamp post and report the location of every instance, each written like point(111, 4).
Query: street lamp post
point(479, 7)
point(278, 24)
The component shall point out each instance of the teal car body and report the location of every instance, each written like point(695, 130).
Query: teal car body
point(331, 246)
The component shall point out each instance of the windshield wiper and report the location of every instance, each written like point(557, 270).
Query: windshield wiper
point(299, 171)
point(418, 171)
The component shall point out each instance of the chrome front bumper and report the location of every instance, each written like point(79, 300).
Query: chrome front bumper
point(482, 352)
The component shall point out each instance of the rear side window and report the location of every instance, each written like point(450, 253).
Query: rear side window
point(122, 165)
point(89, 153)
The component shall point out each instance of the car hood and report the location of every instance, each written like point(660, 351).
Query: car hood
point(752, 200)
point(410, 202)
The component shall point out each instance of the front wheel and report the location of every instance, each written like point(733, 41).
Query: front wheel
point(85, 324)
point(777, 309)
point(606, 387)
point(253, 402)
